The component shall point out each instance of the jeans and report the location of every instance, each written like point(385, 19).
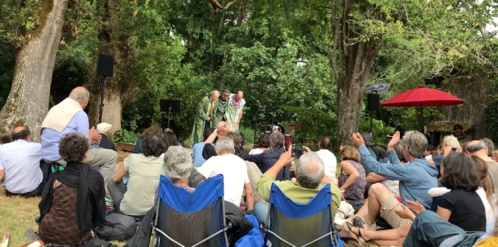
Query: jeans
point(428, 229)
point(261, 211)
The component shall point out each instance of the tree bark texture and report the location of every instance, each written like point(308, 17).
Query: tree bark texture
point(27, 103)
point(352, 66)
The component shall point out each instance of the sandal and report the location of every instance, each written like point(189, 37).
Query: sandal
point(357, 221)
point(358, 235)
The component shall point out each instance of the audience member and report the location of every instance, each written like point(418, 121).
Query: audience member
point(152, 130)
point(380, 154)
point(328, 158)
point(197, 149)
point(268, 158)
point(172, 140)
point(67, 117)
point(489, 145)
point(5, 137)
point(495, 155)
point(73, 202)
point(415, 178)
point(20, 165)
point(391, 185)
point(144, 169)
point(478, 148)
point(262, 144)
point(105, 129)
point(209, 144)
point(237, 140)
point(485, 191)
point(428, 152)
point(310, 173)
point(352, 177)
point(234, 171)
point(449, 141)
point(177, 166)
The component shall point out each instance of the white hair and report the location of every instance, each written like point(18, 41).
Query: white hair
point(225, 144)
point(310, 170)
point(177, 163)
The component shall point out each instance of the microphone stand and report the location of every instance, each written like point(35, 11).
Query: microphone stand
point(255, 120)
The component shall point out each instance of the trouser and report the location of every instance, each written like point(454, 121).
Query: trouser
point(36, 192)
point(105, 159)
point(117, 191)
point(428, 229)
point(254, 174)
point(261, 211)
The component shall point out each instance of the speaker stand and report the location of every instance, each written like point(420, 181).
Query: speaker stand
point(169, 115)
point(102, 92)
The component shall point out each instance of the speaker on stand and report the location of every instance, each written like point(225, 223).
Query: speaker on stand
point(105, 68)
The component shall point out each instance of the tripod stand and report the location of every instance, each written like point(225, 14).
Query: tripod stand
point(170, 106)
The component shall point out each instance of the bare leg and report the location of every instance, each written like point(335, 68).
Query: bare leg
point(386, 237)
point(377, 194)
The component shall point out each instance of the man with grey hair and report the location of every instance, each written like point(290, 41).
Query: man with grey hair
point(415, 178)
point(489, 145)
point(269, 157)
point(205, 114)
point(67, 117)
point(234, 170)
point(310, 172)
point(479, 149)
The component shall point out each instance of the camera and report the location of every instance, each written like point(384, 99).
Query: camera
point(297, 152)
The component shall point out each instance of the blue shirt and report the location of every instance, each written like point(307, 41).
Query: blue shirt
point(50, 138)
point(415, 178)
point(197, 154)
point(20, 160)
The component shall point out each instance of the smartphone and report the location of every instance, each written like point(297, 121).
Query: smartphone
point(297, 151)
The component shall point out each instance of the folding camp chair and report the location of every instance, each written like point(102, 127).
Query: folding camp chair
point(191, 218)
point(296, 224)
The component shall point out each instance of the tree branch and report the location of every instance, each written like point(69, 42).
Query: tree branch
point(218, 6)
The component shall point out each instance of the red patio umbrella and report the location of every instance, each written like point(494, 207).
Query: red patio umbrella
point(421, 97)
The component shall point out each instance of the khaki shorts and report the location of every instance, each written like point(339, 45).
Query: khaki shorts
point(387, 212)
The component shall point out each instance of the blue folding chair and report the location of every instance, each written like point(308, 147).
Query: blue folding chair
point(293, 224)
point(191, 218)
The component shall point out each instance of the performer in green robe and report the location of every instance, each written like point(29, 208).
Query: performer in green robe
point(235, 109)
point(205, 114)
point(221, 107)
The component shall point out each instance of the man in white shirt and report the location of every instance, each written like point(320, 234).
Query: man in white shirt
point(234, 172)
point(328, 158)
point(20, 165)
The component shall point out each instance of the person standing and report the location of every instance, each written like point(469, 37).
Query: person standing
point(221, 107)
point(205, 112)
point(235, 109)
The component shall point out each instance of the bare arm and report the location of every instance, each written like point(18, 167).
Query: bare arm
point(249, 196)
point(373, 177)
point(443, 213)
point(2, 173)
point(351, 171)
point(118, 177)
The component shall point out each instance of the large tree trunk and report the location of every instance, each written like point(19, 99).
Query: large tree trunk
point(28, 99)
point(352, 69)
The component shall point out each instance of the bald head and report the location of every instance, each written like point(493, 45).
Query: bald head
point(214, 95)
point(81, 95)
point(310, 170)
point(240, 95)
point(20, 133)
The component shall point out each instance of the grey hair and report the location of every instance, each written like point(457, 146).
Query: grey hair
point(489, 144)
point(177, 163)
point(277, 140)
point(451, 141)
point(214, 92)
point(475, 147)
point(80, 96)
point(225, 144)
point(310, 170)
point(416, 143)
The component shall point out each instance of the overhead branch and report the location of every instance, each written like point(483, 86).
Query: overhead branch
point(217, 6)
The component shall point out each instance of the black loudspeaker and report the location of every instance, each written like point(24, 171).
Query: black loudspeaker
point(373, 103)
point(105, 65)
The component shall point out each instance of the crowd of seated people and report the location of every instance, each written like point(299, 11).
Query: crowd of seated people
point(403, 178)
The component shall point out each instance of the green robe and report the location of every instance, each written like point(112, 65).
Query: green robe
point(201, 118)
point(232, 112)
point(220, 111)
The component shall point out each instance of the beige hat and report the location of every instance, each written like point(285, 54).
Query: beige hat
point(103, 127)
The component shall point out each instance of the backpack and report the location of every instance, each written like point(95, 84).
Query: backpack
point(118, 227)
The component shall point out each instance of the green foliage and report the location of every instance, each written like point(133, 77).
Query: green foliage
point(490, 120)
point(123, 135)
point(248, 134)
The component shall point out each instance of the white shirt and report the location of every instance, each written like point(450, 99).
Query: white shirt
point(255, 151)
point(329, 161)
point(234, 172)
point(20, 160)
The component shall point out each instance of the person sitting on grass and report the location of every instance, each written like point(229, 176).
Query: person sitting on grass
point(144, 169)
point(72, 201)
point(461, 206)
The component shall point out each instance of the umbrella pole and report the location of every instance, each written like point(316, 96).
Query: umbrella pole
point(421, 119)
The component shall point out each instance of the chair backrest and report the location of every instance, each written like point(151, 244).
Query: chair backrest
point(296, 224)
point(195, 218)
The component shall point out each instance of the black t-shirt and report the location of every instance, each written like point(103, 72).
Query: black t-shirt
point(467, 209)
